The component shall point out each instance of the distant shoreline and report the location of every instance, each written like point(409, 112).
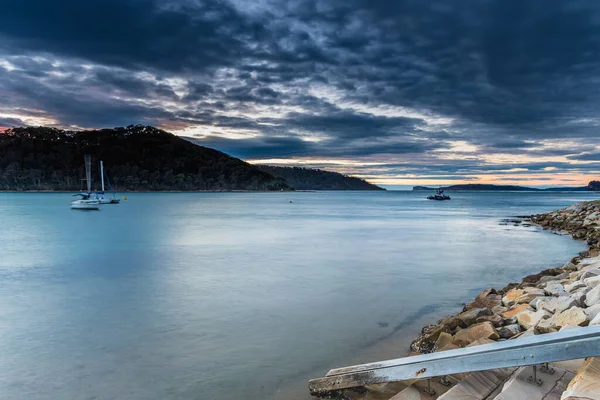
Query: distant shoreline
point(592, 186)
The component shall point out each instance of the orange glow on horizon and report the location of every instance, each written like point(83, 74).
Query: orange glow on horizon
point(558, 179)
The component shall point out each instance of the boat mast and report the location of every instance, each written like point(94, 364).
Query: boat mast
point(102, 175)
point(88, 172)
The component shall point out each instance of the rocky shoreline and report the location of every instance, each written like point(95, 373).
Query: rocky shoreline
point(551, 300)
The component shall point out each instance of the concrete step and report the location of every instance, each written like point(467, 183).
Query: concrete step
point(478, 385)
point(550, 386)
point(422, 390)
point(412, 393)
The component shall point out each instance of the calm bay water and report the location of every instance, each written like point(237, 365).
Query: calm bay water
point(242, 295)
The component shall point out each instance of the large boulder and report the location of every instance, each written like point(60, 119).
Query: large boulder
point(573, 316)
point(580, 295)
point(586, 384)
point(496, 320)
point(469, 317)
point(558, 304)
point(528, 318)
point(519, 296)
point(444, 339)
point(537, 302)
point(571, 287)
point(593, 297)
point(508, 331)
point(484, 330)
point(544, 276)
point(498, 309)
point(510, 298)
point(426, 340)
point(592, 281)
point(515, 310)
point(450, 323)
point(486, 299)
point(569, 267)
point(555, 289)
point(592, 311)
point(589, 273)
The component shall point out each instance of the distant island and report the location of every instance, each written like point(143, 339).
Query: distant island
point(141, 158)
point(592, 186)
point(316, 179)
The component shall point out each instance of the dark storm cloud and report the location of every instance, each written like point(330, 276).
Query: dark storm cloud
point(258, 147)
point(503, 63)
point(60, 98)
point(133, 33)
point(198, 91)
point(125, 83)
point(507, 75)
point(348, 124)
point(281, 147)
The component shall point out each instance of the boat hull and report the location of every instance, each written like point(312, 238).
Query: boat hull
point(78, 205)
point(103, 200)
point(438, 198)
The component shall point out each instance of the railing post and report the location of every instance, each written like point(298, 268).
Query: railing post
point(445, 381)
point(533, 379)
point(429, 391)
point(545, 368)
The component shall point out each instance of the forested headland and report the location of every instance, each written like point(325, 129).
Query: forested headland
point(136, 158)
point(143, 158)
point(316, 179)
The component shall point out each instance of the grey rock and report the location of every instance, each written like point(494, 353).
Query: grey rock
point(589, 273)
point(498, 309)
point(508, 331)
point(570, 267)
point(580, 295)
point(536, 303)
point(555, 289)
point(592, 281)
point(592, 311)
point(593, 297)
point(574, 286)
point(573, 316)
point(528, 318)
point(469, 317)
point(558, 304)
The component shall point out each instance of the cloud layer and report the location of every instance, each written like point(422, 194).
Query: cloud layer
point(399, 92)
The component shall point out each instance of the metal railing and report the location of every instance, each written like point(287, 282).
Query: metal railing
point(532, 350)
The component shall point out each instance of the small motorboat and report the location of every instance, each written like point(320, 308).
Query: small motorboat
point(85, 202)
point(439, 195)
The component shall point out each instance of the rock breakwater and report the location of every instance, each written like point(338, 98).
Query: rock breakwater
point(549, 301)
point(581, 221)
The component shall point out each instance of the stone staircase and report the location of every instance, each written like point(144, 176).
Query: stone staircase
point(569, 380)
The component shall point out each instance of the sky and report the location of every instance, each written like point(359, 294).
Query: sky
point(404, 92)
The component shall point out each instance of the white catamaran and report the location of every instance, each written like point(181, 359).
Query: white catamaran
point(86, 202)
